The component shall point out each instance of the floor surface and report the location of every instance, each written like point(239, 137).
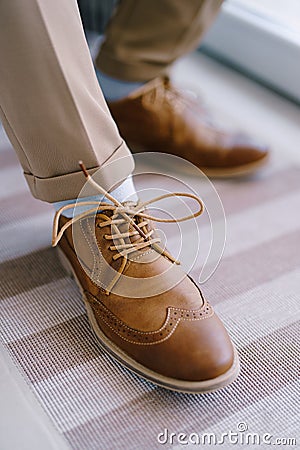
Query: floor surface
point(236, 101)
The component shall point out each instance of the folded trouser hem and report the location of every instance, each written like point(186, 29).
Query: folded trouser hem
point(69, 186)
point(139, 71)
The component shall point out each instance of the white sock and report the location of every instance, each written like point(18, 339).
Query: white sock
point(114, 89)
point(126, 191)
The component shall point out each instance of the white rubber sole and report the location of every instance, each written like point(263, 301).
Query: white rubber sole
point(222, 172)
point(191, 387)
point(238, 171)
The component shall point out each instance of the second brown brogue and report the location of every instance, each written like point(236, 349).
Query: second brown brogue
point(158, 117)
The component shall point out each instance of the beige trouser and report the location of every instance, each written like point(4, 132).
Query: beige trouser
point(51, 105)
point(145, 36)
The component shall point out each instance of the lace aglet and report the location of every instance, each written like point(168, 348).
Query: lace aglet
point(96, 185)
point(83, 168)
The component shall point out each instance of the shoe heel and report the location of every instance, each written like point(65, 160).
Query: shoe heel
point(65, 263)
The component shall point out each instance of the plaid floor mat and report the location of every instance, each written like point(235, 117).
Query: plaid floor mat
point(93, 401)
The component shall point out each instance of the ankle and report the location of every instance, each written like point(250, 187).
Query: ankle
point(115, 89)
point(125, 191)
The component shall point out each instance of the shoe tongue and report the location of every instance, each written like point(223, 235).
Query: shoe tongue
point(148, 87)
point(142, 255)
point(129, 204)
point(137, 237)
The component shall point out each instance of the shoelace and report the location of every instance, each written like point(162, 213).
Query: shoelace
point(133, 215)
point(166, 92)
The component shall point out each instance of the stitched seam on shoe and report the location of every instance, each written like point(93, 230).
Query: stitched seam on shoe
point(207, 313)
point(89, 244)
point(94, 256)
point(141, 343)
point(97, 265)
point(143, 254)
point(156, 342)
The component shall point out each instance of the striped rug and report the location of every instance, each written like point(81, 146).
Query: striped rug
point(95, 403)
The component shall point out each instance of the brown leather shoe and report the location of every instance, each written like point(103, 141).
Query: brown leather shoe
point(158, 117)
point(145, 311)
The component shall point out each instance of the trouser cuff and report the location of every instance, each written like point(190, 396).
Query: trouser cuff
point(68, 186)
point(128, 71)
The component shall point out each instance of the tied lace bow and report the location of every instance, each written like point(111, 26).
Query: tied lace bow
point(135, 216)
